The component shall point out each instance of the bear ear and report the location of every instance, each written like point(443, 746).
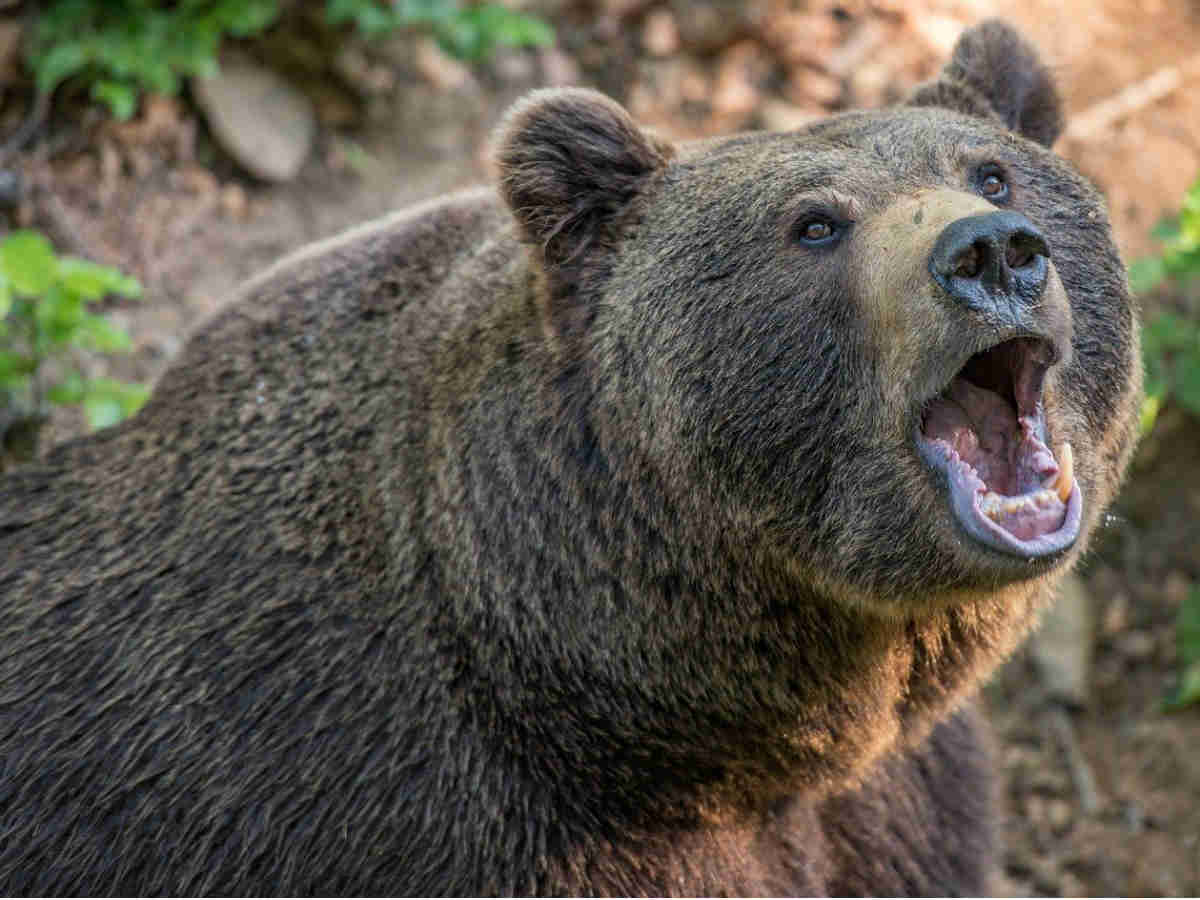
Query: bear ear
point(570, 161)
point(995, 73)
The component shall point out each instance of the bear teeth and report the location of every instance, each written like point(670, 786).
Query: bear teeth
point(997, 506)
point(1065, 480)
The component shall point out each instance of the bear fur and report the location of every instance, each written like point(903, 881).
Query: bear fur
point(571, 541)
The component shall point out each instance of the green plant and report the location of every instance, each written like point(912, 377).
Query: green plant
point(468, 32)
point(1187, 642)
point(45, 325)
point(1171, 353)
point(1170, 339)
point(120, 48)
point(124, 47)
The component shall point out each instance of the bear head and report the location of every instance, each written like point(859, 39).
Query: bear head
point(892, 353)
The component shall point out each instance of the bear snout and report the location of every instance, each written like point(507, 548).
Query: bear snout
point(994, 263)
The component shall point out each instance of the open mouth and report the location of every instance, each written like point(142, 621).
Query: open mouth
point(987, 433)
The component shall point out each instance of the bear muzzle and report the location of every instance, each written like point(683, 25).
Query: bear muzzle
point(986, 432)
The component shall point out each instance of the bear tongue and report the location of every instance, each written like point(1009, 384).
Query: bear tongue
point(981, 427)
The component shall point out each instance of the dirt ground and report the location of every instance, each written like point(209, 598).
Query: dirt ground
point(1101, 798)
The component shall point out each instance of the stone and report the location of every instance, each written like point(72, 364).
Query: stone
point(713, 24)
point(264, 123)
point(1062, 648)
point(660, 34)
point(1137, 646)
point(779, 115)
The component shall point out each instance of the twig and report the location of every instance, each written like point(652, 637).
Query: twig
point(1099, 118)
point(28, 128)
point(1081, 771)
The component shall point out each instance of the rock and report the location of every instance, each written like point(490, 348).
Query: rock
point(803, 38)
point(810, 87)
point(558, 69)
point(11, 189)
point(622, 9)
point(258, 118)
point(1136, 646)
point(10, 50)
point(939, 32)
point(779, 115)
point(742, 68)
point(234, 202)
point(1059, 815)
point(1116, 614)
point(710, 25)
point(1062, 648)
point(440, 70)
point(660, 34)
point(364, 76)
point(516, 66)
point(845, 58)
point(1176, 588)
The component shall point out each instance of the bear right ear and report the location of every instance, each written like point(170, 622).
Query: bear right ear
point(994, 73)
point(570, 161)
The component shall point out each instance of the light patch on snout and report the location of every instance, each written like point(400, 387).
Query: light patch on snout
point(909, 318)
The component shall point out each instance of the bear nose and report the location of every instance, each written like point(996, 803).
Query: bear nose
point(991, 261)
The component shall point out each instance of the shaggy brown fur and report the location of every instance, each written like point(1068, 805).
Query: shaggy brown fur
point(575, 543)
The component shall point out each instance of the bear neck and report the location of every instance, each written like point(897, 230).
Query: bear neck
point(648, 672)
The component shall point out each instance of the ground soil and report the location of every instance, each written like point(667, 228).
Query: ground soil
point(1100, 797)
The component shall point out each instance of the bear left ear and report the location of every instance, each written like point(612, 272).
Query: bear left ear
point(995, 73)
point(570, 162)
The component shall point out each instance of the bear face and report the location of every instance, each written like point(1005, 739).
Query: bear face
point(894, 350)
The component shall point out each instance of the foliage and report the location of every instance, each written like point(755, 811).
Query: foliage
point(123, 47)
point(1171, 341)
point(468, 32)
point(1187, 641)
point(1171, 352)
point(44, 318)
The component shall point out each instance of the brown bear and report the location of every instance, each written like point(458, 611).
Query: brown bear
point(642, 530)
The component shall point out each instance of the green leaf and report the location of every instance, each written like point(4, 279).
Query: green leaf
point(102, 412)
point(1189, 689)
point(1146, 274)
point(1187, 381)
point(1165, 230)
point(248, 17)
point(6, 296)
point(16, 366)
point(107, 401)
point(1187, 628)
point(28, 262)
point(59, 63)
point(99, 334)
point(1151, 404)
point(93, 281)
point(68, 392)
point(59, 314)
point(120, 97)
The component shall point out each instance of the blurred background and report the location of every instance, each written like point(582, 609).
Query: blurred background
point(155, 154)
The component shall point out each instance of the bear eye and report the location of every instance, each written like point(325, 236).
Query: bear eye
point(992, 185)
point(816, 230)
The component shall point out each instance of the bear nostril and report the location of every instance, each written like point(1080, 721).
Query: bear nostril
point(1022, 250)
point(970, 262)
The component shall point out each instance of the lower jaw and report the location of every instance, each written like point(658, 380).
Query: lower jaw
point(986, 532)
point(966, 493)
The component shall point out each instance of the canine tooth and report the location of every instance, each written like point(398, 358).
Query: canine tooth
point(1066, 472)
